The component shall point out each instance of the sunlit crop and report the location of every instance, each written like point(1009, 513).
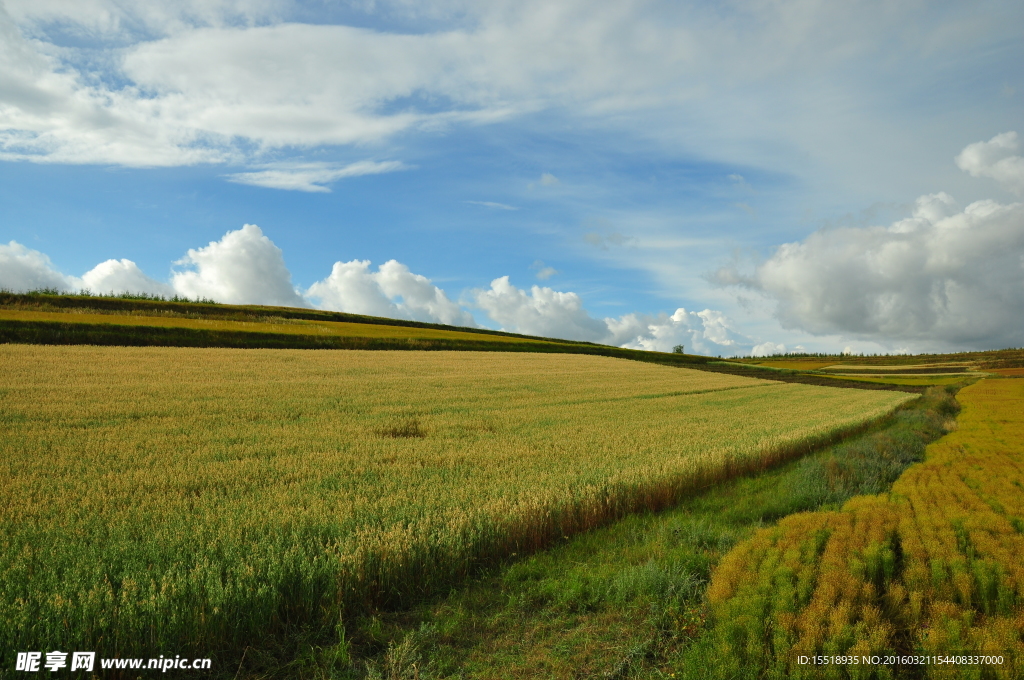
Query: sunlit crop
point(934, 568)
point(176, 499)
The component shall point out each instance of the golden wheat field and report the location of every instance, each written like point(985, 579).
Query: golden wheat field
point(182, 499)
point(933, 569)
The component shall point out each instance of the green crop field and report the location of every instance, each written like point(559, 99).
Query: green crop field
point(204, 500)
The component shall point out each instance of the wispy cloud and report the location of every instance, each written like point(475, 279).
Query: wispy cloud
point(614, 239)
point(546, 180)
point(544, 272)
point(492, 204)
point(312, 177)
point(746, 208)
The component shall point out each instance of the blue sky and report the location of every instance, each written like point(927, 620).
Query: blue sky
point(736, 177)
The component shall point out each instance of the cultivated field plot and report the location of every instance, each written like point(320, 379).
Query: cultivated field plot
point(269, 325)
point(932, 569)
point(923, 380)
point(795, 364)
point(168, 500)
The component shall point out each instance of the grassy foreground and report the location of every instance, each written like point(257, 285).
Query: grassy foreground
point(206, 501)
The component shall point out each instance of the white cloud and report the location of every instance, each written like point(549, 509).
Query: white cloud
point(312, 177)
point(23, 269)
point(706, 332)
point(122, 276)
point(767, 349)
point(227, 80)
point(942, 278)
point(542, 311)
point(546, 312)
point(50, 112)
point(996, 159)
point(544, 272)
point(392, 291)
point(546, 180)
point(244, 267)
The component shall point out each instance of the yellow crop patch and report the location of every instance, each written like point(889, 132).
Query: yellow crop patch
point(934, 568)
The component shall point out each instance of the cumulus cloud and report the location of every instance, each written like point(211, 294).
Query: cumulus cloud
point(547, 312)
point(997, 159)
point(244, 267)
point(23, 269)
point(123, 276)
point(705, 332)
point(391, 291)
point(312, 177)
point(942, 277)
point(541, 311)
point(945, 277)
point(767, 349)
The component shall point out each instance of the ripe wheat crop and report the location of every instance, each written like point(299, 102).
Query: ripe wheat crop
point(934, 568)
point(197, 500)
